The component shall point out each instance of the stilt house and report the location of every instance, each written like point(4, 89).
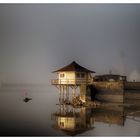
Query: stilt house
point(73, 76)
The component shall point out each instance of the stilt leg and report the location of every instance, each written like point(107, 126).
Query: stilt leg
point(67, 93)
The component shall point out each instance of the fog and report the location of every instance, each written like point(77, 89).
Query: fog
point(36, 39)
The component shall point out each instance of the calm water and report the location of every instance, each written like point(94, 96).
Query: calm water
point(42, 116)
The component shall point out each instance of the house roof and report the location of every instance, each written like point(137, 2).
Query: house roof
point(74, 67)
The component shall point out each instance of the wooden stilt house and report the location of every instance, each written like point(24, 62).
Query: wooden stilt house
point(73, 76)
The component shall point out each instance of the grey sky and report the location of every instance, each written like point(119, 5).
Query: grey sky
point(36, 39)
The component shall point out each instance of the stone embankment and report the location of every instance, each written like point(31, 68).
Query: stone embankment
point(110, 91)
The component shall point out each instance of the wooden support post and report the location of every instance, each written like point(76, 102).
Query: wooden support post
point(74, 91)
point(73, 111)
point(63, 108)
point(73, 94)
point(75, 87)
point(60, 98)
point(83, 92)
point(63, 95)
point(66, 109)
point(67, 93)
point(60, 109)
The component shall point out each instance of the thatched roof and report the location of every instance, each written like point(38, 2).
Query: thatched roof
point(74, 67)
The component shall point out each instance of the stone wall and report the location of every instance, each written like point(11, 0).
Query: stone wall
point(132, 90)
point(132, 85)
point(110, 87)
point(132, 94)
point(110, 98)
point(117, 91)
point(110, 91)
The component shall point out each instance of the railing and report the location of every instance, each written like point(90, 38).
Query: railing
point(70, 81)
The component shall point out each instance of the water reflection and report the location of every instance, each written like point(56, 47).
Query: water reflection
point(133, 112)
point(74, 121)
point(34, 117)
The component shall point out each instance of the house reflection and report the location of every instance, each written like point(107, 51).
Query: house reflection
point(74, 121)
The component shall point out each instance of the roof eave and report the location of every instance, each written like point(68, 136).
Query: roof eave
point(74, 71)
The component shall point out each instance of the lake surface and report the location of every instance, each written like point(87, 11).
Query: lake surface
point(43, 116)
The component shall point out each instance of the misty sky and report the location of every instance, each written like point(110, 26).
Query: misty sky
point(36, 39)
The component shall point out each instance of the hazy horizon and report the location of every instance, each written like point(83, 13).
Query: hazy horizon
point(36, 39)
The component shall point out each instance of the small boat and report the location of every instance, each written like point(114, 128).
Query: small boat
point(26, 99)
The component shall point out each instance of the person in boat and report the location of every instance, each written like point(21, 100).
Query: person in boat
point(26, 99)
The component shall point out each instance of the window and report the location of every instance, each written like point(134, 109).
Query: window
point(82, 75)
point(62, 124)
point(78, 75)
point(62, 75)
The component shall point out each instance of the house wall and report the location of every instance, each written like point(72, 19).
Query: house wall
point(71, 77)
point(68, 75)
point(87, 76)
